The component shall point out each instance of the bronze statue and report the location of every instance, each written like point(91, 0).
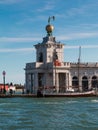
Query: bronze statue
point(52, 17)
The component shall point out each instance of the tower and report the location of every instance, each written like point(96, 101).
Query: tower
point(49, 56)
point(49, 50)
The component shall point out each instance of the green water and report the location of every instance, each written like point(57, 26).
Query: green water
point(49, 113)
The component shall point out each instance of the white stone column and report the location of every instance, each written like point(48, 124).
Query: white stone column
point(89, 82)
point(70, 79)
point(45, 79)
point(35, 82)
point(57, 83)
point(31, 87)
point(26, 81)
point(29, 82)
point(55, 77)
point(67, 80)
point(80, 83)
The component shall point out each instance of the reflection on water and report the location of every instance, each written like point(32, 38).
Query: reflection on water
point(48, 113)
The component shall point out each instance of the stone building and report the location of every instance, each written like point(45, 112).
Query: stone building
point(52, 74)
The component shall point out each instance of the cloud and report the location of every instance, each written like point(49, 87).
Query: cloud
point(47, 6)
point(85, 9)
point(18, 39)
point(17, 50)
point(72, 36)
point(12, 50)
point(83, 46)
point(80, 35)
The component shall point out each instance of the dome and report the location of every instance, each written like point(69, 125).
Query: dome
point(49, 28)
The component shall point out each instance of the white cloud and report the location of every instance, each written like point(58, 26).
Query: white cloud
point(72, 36)
point(80, 35)
point(82, 46)
point(17, 50)
point(12, 50)
point(85, 9)
point(18, 39)
point(48, 6)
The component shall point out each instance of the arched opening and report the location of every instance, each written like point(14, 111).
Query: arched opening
point(94, 82)
point(84, 83)
point(75, 82)
point(40, 57)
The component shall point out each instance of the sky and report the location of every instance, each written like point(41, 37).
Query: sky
point(22, 25)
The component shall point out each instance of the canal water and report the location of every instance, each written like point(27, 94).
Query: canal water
point(49, 113)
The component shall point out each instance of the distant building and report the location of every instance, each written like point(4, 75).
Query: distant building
point(51, 73)
point(2, 87)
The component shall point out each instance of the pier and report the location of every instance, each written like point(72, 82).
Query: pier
point(52, 95)
point(17, 95)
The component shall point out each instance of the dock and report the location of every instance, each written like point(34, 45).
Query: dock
point(17, 95)
point(46, 95)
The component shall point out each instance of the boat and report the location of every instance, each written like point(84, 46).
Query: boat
point(91, 93)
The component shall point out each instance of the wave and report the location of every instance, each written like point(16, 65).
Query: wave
point(94, 101)
point(72, 101)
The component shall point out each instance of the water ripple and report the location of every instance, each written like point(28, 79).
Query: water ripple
point(49, 114)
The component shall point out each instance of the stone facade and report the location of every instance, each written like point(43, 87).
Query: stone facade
point(51, 73)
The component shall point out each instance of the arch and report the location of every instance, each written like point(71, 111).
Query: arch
point(75, 81)
point(84, 83)
point(94, 82)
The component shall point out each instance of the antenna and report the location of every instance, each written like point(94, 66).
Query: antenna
point(79, 54)
point(79, 65)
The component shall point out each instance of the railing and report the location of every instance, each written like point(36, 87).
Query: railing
point(88, 64)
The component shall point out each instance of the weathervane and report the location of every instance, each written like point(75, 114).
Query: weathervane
point(49, 19)
point(49, 27)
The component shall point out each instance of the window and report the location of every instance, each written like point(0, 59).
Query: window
point(40, 57)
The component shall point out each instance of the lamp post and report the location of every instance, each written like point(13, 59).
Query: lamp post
point(4, 73)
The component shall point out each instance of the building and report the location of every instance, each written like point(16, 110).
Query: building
point(52, 74)
point(2, 87)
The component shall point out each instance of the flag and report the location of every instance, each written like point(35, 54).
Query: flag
point(57, 63)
